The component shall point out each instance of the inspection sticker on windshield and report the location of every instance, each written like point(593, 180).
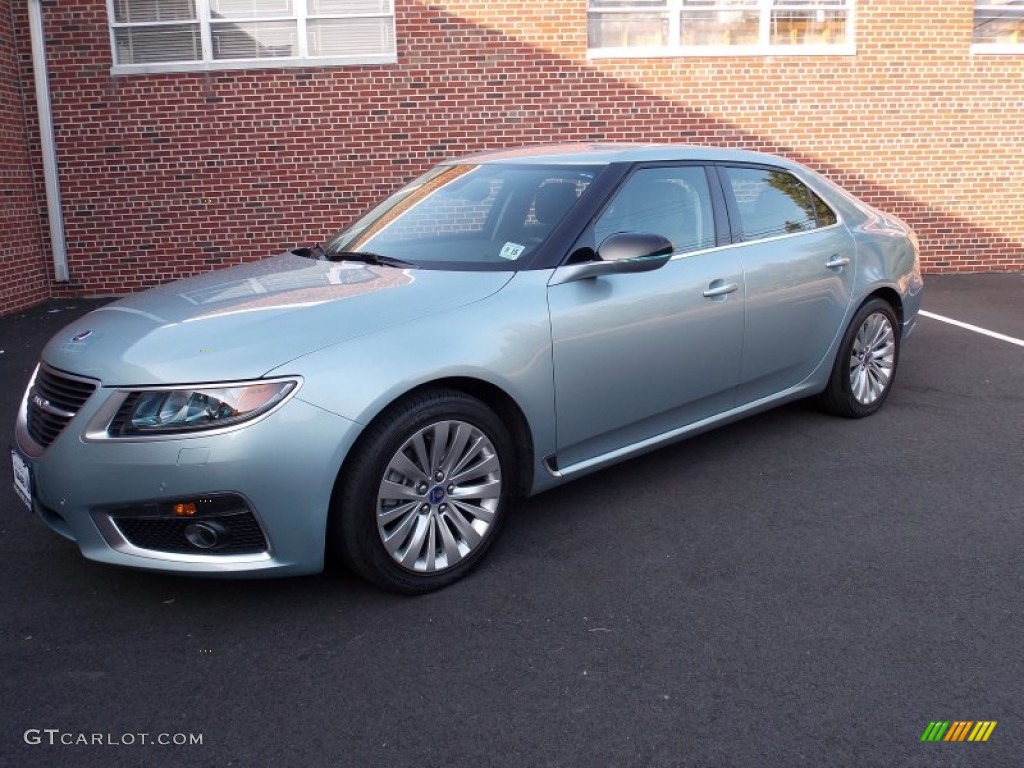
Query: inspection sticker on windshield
point(511, 251)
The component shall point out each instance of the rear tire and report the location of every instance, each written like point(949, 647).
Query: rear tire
point(865, 367)
point(426, 492)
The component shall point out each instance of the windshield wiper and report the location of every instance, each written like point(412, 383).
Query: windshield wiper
point(367, 257)
point(314, 251)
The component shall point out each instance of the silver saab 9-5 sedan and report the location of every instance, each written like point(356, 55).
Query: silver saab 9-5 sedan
point(504, 323)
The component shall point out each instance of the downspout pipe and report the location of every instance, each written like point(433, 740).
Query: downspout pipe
point(48, 143)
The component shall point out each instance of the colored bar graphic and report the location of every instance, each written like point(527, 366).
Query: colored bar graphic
point(982, 730)
point(958, 730)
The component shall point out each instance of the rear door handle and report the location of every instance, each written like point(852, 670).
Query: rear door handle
point(719, 288)
point(837, 261)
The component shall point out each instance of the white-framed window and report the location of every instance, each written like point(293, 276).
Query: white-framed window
point(183, 35)
point(718, 27)
point(998, 26)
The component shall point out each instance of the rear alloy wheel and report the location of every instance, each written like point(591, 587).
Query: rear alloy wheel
point(426, 493)
point(865, 367)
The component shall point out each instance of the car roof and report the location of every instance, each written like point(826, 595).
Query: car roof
point(605, 154)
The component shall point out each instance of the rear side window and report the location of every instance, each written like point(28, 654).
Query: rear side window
point(772, 203)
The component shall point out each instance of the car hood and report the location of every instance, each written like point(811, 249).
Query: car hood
point(241, 322)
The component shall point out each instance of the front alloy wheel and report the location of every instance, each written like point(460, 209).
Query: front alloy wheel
point(425, 492)
point(438, 497)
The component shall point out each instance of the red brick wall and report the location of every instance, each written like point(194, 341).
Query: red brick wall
point(23, 275)
point(165, 175)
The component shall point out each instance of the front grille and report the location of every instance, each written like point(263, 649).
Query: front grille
point(242, 534)
point(53, 401)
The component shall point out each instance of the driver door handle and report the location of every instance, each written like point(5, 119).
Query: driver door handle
point(719, 288)
point(837, 261)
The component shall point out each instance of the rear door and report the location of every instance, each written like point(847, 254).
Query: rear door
point(798, 268)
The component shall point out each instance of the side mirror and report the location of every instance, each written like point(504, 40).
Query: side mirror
point(620, 253)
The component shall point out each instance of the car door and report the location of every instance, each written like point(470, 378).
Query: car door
point(637, 355)
point(798, 268)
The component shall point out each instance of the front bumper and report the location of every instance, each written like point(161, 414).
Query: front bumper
point(279, 470)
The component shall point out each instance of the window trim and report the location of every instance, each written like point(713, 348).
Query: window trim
point(764, 48)
point(208, 64)
point(997, 49)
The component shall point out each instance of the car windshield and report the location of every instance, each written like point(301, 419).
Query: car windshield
point(491, 216)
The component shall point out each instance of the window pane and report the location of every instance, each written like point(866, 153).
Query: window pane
point(826, 216)
point(644, 5)
point(770, 203)
point(476, 215)
point(345, 7)
point(811, 3)
point(551, 202)
point(254, 40)
point(343, 37)
point(723, 5)
point(249, 9)
point(135, 11)
point(460, 210)
point(720, 27)
point(146, 45)
point(672, 202)
point(750, 23)
point(812, 27)
point(623, 30)
point(1000, 23)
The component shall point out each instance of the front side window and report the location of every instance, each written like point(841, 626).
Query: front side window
point(771, 203)
point(702, 27)
point(998, 26)
point(167, 35)
point(673, 202)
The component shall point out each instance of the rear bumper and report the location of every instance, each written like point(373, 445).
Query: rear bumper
point(912, 299)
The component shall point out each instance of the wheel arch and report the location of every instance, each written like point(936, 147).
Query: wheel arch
point(837, 396)
point(889, 295)
point(507, 409)
point(491, 395)
point(340, 537)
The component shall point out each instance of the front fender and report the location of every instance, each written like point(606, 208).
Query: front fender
point(503, 340)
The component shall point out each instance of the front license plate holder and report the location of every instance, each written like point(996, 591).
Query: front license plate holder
point(22, 478)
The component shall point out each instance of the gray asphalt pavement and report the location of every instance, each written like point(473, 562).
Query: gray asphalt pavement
point(792, 590)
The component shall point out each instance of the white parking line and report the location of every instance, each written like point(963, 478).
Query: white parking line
point(975, 328)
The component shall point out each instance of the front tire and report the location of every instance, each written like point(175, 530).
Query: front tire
point(426, 492)
point(865, 366)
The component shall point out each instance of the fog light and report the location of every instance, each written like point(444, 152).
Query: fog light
point(187, 509)
point(205, 535)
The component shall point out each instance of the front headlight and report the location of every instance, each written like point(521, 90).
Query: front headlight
point(169, 411)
